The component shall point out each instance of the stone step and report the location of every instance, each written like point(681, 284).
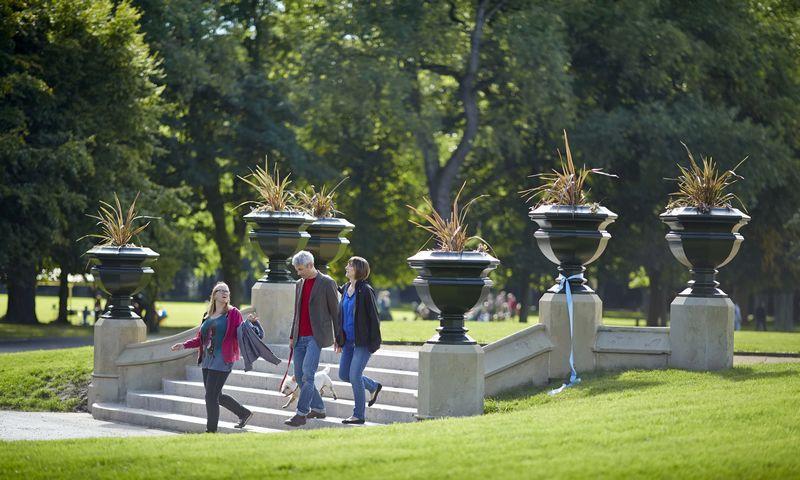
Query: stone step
point(269, 418)
point(165, 420)
point(383, 358)
point(400, 395)
point(385, 376)
point(378, 413)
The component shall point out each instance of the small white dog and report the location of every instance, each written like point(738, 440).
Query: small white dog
point(322, 381)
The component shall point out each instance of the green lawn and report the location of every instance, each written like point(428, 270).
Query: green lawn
point(179, 314)
point(48, 380)
point(742, 423)
point(773, 342)
point(13, 331)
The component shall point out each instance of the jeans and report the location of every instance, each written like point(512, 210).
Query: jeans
point(214, 380)
point(306, 362)
point(351, 369)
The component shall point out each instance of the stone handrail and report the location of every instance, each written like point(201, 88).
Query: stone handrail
point(516, 360)
point(623, 348)
point(637, 340)
point(156, 351)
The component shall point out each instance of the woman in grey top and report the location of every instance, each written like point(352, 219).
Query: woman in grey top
point(219, 349)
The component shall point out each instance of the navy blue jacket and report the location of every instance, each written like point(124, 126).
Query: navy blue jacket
point(367, 325)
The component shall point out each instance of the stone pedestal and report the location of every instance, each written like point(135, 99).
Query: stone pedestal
point(111, 336)
point(451, 380)
point(588, 314)
point(274, 305)
point(701, 333)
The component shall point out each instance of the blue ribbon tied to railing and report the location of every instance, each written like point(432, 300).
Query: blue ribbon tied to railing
point(573, 375)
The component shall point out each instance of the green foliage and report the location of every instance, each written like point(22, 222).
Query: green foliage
point(117, 228)
point(450, 234)
point(320, 203)
point(79, 114)
point(273, 191)
point(566, 187)
point(704, 188)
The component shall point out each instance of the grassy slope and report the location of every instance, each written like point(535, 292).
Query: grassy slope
point(50, 380)
point(743, 423)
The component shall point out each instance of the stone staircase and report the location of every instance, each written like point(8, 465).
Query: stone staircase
point(180, 404)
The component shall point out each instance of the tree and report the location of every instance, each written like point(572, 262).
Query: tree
point(228, 112)
point(714, 75)
point(406, 95)
point(78, 114)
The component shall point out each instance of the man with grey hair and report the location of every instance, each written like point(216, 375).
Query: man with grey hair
point(315, 326)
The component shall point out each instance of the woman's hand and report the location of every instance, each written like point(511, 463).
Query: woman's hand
point(337, 348)
point(176, 347)
point(253, 318)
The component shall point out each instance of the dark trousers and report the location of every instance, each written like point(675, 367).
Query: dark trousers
point(214, 380)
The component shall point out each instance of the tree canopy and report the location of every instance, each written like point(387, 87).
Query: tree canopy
point(407, 99)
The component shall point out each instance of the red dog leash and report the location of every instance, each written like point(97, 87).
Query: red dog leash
point(288, 362)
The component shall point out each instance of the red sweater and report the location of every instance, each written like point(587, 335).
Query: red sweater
point(305, 313)
point(230, 344)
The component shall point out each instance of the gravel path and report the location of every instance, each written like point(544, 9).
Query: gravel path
point(59, 426)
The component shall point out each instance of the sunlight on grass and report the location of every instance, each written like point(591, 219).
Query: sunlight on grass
point(49, 380)
point(645, 424)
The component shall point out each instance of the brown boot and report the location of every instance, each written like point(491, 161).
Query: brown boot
point(296, 421)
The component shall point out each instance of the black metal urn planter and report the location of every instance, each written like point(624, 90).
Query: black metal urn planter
point(704, 242)
point(451, 284)
point(572, 237)
point(121, 272)
point(279, 235)
point(327, 240)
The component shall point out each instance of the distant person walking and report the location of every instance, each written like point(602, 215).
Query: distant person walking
point(761, 317)
point(362, 335)
point(314, 327)
point(384, 306)
point(737, 317)
point(218, 350)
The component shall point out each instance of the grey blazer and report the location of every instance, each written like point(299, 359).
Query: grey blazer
point(323, 308)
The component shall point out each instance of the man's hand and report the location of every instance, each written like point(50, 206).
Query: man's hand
point(291, 342)
point(337, 348)
point(176, 347)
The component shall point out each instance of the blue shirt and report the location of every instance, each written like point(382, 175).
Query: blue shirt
point(349, 316)
point(212, 357)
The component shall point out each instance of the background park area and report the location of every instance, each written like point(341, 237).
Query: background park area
point(175, 106)
point(405, 328)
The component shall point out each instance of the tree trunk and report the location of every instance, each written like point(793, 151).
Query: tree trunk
point(150, 317)
point(22, 294)
point(63, 296)
point(656, 312)
point(441, 178)
point(230, 259)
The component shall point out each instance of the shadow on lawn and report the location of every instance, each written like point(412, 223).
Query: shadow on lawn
point(748, 373)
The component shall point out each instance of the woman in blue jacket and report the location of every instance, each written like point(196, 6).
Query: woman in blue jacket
point(361, 329)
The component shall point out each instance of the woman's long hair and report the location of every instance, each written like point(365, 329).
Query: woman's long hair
point(212, 302)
